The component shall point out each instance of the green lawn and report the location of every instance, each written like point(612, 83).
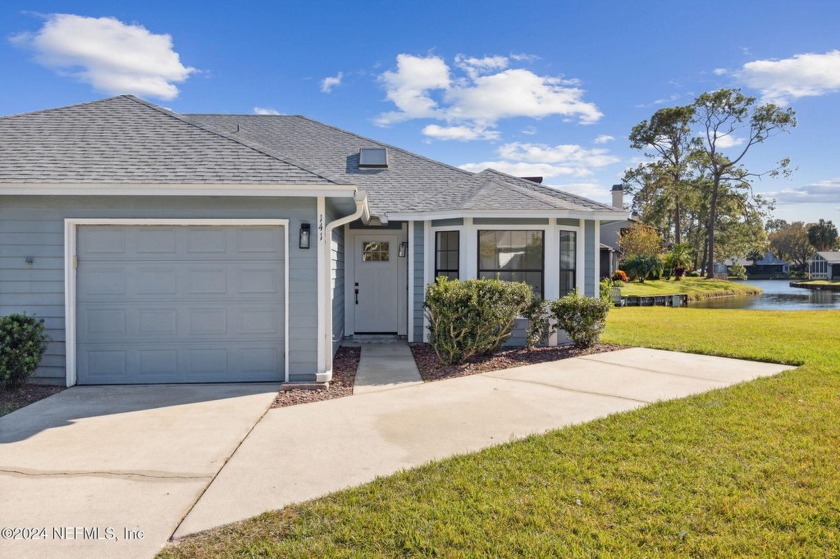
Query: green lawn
point(750, 470)
point(696, 288)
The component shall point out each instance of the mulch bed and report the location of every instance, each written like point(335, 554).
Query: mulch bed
point(431, 369)
point(345, 363)
point(11, 400)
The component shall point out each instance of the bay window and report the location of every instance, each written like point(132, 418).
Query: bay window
point(512, 255)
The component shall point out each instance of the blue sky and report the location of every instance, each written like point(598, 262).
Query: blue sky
point(529, 87)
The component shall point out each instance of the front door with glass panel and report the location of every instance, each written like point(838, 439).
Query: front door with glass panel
point(375, 285)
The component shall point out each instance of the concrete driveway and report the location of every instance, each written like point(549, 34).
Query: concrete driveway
point(85, 472)
point(318, 448)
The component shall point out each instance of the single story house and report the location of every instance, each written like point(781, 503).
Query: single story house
point(170, 248)
point(768, 264)
point(825, 265)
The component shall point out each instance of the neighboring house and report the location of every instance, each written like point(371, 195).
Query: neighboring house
point(161, 247)
point(825, 265)
point(768, 265)
point(611, 234)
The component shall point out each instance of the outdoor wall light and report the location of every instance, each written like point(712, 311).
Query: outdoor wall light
point(303, 242)
point(403, 249)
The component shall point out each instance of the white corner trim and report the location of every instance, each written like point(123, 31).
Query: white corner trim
point(323, 267)
point(580, 261)
point(71, 226)
point(410, 280)
point(69, 302)
point(597, 266)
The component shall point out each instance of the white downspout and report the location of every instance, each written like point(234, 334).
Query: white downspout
point(363, 212)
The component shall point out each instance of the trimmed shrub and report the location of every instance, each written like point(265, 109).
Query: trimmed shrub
point(22, 345)
point(640, 267)
point(620, 275)
point(540, 328)
point(472, 317)
point(583, 318)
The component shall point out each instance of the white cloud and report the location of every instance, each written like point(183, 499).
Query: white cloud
point(541, 160)
point(265, 111)
point(461, 133)
point(720, 71)
point(328, 83)
point(604, 138)
point(485, 91)
point(803, 75)
point(823, 192)
point(523, 57)
point(112, 56)
point(529, 130)
point(727, 141)
point(409, 87)
point(477, 66)
point(567, 154)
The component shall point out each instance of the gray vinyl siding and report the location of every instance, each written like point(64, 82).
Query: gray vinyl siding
point(33, 226)
point(455, 221)
point(569, 222)
point(510, 221)
point(590, 253)
point(419, 281)
point(336, 279)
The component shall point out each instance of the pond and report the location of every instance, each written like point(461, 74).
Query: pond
point(778, 296)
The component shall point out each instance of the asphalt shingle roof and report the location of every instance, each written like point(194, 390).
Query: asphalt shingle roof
point(127, 140)
point(411, 183)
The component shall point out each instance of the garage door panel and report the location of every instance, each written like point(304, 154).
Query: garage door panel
point(263, 241)
point(204, 240)
point(160, 322)
point(149, 313)
point(155, 281)
point(206, 279)
point(155, 240)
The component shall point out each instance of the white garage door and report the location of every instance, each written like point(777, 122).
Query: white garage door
point(176, 304)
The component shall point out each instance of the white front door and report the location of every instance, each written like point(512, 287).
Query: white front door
point(376, 284)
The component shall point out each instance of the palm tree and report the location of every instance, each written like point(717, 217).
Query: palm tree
point(679, 259)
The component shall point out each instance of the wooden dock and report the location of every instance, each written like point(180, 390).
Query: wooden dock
point(652, 301)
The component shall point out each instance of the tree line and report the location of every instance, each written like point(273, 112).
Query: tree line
point(694, 185)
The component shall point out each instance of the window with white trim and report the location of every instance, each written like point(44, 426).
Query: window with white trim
point(512, 255)
point(568, 262)
point(447, 254)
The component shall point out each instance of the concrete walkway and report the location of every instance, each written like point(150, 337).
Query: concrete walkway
point(303, 452)
point(110, 471)
point(385, 366)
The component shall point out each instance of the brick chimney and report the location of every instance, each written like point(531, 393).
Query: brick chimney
point(618, 196)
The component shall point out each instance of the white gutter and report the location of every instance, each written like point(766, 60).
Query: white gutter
point(362, 211)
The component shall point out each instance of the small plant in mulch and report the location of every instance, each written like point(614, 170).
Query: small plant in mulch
point(23, 342)
point(345, 363)
point(432, 369)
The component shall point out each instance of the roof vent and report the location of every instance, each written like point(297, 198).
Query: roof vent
point(537, 180)
point(373, 158)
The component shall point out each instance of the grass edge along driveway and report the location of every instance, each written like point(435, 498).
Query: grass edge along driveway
point(744, 471)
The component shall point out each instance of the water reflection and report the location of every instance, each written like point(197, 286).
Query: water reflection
point(778, 296)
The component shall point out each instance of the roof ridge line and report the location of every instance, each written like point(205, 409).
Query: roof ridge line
point(250, 145)
point(39, 111)
point(524, 190)
point(550, 191)
point(365, 138)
